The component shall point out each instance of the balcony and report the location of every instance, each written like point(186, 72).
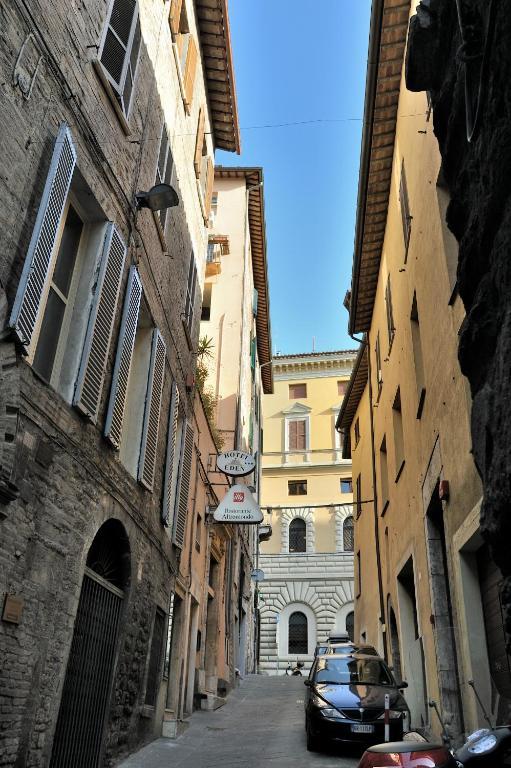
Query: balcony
point(218, 246)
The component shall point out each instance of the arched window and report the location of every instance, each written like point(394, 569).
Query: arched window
point(297, 642)
point(347, 535)
point(298, 535)
point(350, 625)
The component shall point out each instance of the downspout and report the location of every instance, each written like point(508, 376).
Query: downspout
point(375, 504)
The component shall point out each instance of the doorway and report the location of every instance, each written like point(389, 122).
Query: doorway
point(412, 659)
point(79, 734)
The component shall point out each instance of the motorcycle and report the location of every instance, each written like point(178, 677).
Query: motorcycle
point(485, 748)
point(296, 670)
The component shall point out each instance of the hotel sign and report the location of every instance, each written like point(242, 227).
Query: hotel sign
point(238, 506)
point(236, 463)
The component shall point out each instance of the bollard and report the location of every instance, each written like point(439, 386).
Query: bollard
point(387, 717)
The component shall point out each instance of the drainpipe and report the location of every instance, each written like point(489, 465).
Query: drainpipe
point(375, 502)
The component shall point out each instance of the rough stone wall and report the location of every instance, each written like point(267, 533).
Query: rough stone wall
point(68, 478)
point(479, 178)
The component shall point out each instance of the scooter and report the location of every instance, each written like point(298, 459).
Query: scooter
point(485, 748)
point(296, 670)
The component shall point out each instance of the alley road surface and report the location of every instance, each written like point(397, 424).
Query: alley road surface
point(262, 724)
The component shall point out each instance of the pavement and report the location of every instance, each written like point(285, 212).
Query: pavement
point(262, 724)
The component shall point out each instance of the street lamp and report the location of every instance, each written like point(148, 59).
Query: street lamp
point(158, 198)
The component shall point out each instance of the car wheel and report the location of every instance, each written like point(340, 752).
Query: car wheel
point(312, 742)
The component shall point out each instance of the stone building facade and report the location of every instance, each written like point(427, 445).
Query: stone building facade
point(99, 310)
point(307, 591)
point(428, 594)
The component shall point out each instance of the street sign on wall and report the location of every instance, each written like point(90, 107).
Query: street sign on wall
point(238, 506)
point(235, 463)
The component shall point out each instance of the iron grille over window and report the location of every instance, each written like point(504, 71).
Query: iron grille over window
point(297, 633)
point(350, 625)
point(347, 534)
point(297, 535)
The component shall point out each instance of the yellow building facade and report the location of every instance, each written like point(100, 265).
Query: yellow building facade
point(425, 591)
point(307, 592)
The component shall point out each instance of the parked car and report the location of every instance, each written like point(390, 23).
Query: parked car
point(345, 649)
point(345, 700)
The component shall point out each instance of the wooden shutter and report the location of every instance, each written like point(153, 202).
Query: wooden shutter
point(117, 41)
point(293, 432)
point(170, 466)
point(49, 217)
point(150, 429)
point(125, 344)
point(210, 179)
point(300, 436)
point(175, 15)
point(91, 374)
point(190, 67)
point(178, 536)
point(197, 160)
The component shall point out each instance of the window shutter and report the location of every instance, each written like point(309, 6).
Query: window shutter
point(175, 15)
point(149, 446)
point(170, 470)
point(197, 160)
point(190, 67)
point(210, 179)
point(178, 536)
point(255, 301)
point(116, 43)
point(293, 432)
point(91, 374)
point(115, 414)
point(49, 216)
point(300, 435)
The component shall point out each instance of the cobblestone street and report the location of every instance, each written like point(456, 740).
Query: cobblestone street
point(261, 724)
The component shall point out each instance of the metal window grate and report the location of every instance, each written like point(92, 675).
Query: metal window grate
point(348, 535)
point(298, 535)
point(297, 642)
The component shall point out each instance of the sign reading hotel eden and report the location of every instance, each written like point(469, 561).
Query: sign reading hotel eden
point(235, 463)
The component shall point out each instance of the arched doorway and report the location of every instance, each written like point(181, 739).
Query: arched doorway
point(83, 706)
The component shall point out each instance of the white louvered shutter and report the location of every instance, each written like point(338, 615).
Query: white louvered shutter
point(91, 374)
point(121, 374)
point(49, 216)
point(120, 47)
point(150, 429)
point(170, 464)
point(178, 536)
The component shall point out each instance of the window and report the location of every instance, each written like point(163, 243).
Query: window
point(253, 354)
point(297, 391)
point(390, 315)
point(206, 302)
point(358, 495)
point(164, 170)
point(384, 477)
point(379, 374)
point(342, 386)
point(186, 450)
point(66, 302)
point(214, 205)
point(346, 485)
point(298, 635)
point(348, 534)
point(350, 625)
point(185, 48)
point(190, 295)
point(297, 535)
point(119, 52)
point(429, 105)
point(297, 434)
point(198, 532)
point(417, 356)
point(155, 658)
point(356, 431)
point(397, 422)
point(358, 576)
point(203, 164)
point(297, 487)
point(406, 219)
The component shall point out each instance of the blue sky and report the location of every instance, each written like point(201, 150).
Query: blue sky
point(297, 61)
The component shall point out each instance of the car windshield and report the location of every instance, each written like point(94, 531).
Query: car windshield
point(347, 650)
point(351, 671)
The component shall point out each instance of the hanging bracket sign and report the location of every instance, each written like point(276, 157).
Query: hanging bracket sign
point(238, 506)
point(235, 463)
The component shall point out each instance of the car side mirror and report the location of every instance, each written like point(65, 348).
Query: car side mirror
point(307, 682)
point(403, 684)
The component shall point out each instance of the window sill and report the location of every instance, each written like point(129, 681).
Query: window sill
point(400, 471)
point(98, 67)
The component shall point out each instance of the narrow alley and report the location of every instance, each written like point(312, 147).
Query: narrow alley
point(261, 724)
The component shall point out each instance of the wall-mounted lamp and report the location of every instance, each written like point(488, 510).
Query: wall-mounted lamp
point(158, 198)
